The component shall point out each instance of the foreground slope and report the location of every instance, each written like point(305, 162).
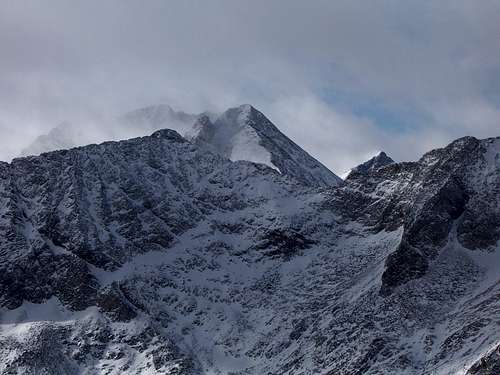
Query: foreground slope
point(155, 255)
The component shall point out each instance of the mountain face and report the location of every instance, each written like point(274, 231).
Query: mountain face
point(378, 161)
point(157, 255)
point(241, 133)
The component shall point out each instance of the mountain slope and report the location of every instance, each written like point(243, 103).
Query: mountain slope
point(155, 255)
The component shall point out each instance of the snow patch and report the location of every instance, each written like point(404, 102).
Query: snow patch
point(246, 147)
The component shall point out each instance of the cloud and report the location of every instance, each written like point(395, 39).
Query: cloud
point(433, 66)
point(328, 135)
point(341, 140)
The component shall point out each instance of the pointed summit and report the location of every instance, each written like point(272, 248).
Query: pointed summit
point(378, 161)
point(244, 133)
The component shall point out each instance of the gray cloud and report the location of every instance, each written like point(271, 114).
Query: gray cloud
point(292, 59)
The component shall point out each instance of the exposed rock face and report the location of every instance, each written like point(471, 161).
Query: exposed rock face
point(445, 187)
point(160, 255)
point(37, 277)
point(489, 364)
point(378, 161)
point(112, 301)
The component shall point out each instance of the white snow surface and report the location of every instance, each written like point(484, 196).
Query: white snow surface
point(241, 140)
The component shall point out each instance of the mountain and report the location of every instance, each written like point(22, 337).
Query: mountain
point(244, 133)
point(378, 161)
point(241, 133)
point(157, 255)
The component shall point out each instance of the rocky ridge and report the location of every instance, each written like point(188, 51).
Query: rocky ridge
point(240, 133)
point(157, 255)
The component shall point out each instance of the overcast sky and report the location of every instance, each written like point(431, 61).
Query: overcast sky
point(341, 78)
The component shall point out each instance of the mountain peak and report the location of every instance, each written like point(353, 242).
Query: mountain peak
point(376, 162)
point(381, 159)
point(238, 115)
point(245, 133)
point(380, 154)
point(246, 108)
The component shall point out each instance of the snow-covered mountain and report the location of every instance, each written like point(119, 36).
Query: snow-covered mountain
point(244, 133)
point(156, 255)
point(241, 133)
point(378, 161)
